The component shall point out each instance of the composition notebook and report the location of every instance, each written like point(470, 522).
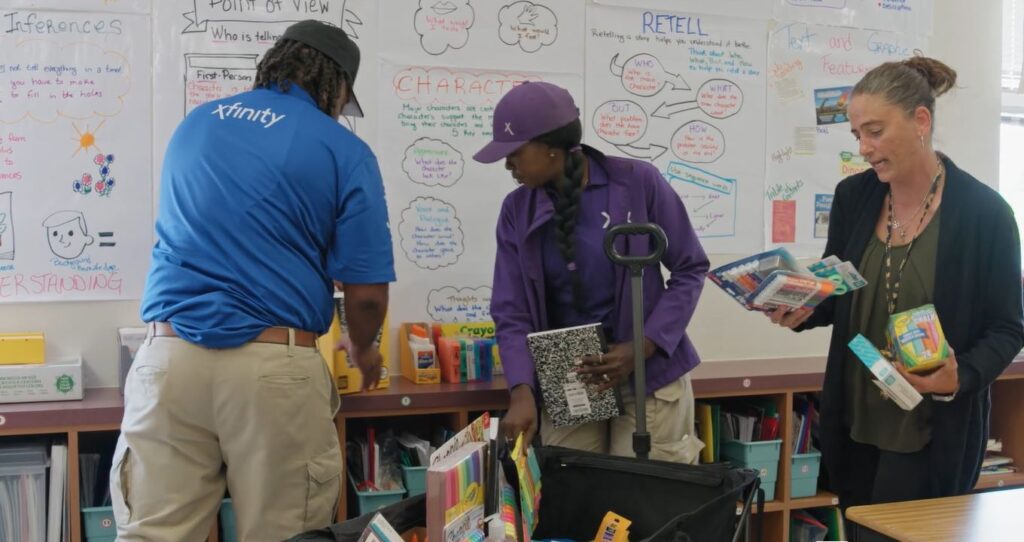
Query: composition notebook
point(566, 398)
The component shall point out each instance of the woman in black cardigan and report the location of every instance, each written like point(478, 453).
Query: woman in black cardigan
point(921, 231)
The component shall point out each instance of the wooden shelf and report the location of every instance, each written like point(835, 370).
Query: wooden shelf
point(998, 481)
point(769, 506)
point(457, 404)
point(823, 498)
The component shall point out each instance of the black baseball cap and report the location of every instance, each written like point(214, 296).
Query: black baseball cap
point(335, 43)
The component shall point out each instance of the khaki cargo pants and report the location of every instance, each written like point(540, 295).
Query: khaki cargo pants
point(258, 419)
point(669, 421)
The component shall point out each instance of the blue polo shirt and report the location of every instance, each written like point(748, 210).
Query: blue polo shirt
point(263, 200)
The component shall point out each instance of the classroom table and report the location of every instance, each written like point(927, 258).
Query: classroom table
point(995, 515)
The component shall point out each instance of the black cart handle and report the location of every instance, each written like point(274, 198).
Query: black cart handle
point(635, 262)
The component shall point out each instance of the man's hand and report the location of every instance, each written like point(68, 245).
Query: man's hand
point(369, 362)
point(943, 381)
point(611, 369)
point(521, 416)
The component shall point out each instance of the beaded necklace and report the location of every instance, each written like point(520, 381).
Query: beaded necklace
point(892, 290)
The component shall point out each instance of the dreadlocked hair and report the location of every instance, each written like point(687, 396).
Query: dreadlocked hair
point(566, 191)
point(290, 62)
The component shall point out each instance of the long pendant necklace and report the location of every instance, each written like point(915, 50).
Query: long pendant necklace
point(892, 289)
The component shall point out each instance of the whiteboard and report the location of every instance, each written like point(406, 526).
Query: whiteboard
point(753, 9)
point(813, 69)
point(902, 16)
point(687, 94)
point(209, 50)
point(75, 104)
point(514, 35)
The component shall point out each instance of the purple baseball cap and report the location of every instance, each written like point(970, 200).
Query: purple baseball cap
point(525, 112)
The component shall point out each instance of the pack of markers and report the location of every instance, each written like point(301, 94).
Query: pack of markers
point(774, 279)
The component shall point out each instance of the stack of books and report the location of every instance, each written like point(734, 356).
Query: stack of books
point(995, 462)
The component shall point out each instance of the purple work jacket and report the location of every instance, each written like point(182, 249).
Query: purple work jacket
point(637, 193)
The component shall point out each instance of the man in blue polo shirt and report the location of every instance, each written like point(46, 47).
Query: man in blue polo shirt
point(265, 200)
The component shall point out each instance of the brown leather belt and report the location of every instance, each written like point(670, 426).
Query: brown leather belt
point(272, 335)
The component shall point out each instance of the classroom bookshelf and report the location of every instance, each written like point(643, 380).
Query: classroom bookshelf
point(97, 417)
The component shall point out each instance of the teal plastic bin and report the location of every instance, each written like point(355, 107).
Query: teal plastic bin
point(415, 479)
point(805, 474)
point(98, 524)
point(371, 501)
point(761, 456)
point(752, 452)
point(228, 527)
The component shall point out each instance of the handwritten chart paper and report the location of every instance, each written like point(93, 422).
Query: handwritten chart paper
point(812, 70)
point(444, 206)
point(686, 93)
point(75, 184)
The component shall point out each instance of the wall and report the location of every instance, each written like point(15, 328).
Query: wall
point(968, 129)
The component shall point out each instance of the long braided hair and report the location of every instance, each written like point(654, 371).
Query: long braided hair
point(566, 191)
point(291, 62)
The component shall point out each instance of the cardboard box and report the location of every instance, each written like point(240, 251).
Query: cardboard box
point(22, 348)
point(348, 378)
point(53, 381)
point(917, 339)
point(889, 380)
point(410, 370)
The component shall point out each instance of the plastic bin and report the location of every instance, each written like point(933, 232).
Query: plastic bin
point(371, 501)
point(751, 452)
point(98, 524)
point(227, 521)
point(805, 474)
point(415, 479)
point(762, 456)
point(23, 470)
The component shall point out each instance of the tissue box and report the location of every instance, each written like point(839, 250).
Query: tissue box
point(56, 381)
point(917, 339)
point(22, 348)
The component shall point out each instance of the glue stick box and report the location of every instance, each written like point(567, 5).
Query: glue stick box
point(917, 339)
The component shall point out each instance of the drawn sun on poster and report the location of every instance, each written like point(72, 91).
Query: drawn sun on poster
point(86, 139)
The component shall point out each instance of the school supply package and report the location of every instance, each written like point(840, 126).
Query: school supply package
point(888, 379)
point(567, 399)
point(916, 338)
point(773, 279)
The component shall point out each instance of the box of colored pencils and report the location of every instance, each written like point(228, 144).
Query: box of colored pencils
point(917, 339)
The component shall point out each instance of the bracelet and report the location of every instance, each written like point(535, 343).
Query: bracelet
point(943, 398)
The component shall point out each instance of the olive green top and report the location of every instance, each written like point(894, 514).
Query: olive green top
point(872, 418)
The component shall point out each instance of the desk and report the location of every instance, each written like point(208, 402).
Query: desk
point(996, 515)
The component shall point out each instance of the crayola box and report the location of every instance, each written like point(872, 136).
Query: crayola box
point(917, 339)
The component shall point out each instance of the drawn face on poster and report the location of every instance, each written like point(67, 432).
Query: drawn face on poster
point(67, 234)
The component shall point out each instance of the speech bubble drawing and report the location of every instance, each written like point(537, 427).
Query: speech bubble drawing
point(449, 304)
point(431, 233)
point(620, 122)
point(443, 24)
point(698, 142)
point(45, 80)
point(433, 162)
point(530, 25)
point(643, 75)
point(720, 98)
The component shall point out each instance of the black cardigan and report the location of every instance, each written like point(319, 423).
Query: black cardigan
point(977, 297)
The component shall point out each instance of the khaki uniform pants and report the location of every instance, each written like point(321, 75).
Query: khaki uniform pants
point(258, 419)
point(669, 421)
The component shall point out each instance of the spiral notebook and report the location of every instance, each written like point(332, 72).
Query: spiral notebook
point(566, 398)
